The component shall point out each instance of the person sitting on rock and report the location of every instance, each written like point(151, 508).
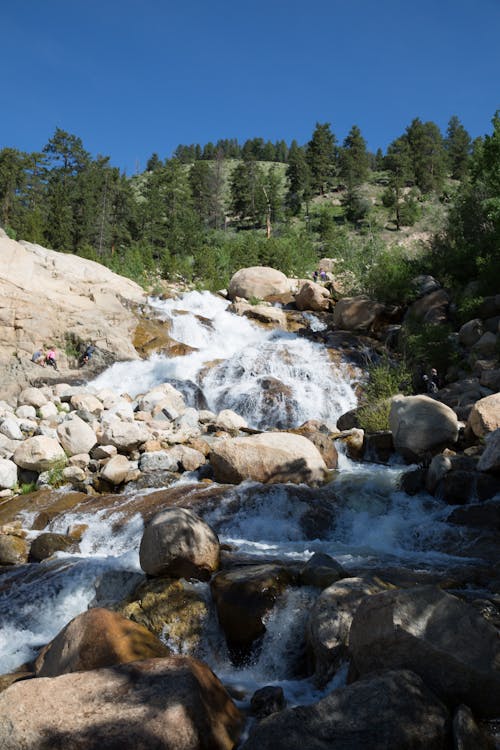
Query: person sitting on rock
point(50, 358)
point(431, 382)
point(87, 355)
point(38, 357)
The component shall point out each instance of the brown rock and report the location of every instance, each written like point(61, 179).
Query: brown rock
point(97, 638)
point(270, 457)
point(260, 282)
point(173, 703)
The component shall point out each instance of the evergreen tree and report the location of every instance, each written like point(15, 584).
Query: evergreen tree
point(322, 158)
point(398, 163)
point(12, 182)
point(199, 181)
point(248, 201)
point(299, 179)
point(354, 159)
point(428, 156)
point(458, 148)
point(154, 162)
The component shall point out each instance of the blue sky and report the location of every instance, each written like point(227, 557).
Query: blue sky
point(131, 77)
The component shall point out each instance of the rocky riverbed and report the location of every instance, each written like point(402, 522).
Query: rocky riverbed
point(156, 533)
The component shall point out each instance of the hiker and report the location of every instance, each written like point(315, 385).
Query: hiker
point(322, 274)
point(315, 276)
point(50, 358)
point(87, 355)
point(38, 357)
point(431, 382)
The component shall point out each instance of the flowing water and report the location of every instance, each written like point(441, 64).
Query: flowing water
point(236, 365)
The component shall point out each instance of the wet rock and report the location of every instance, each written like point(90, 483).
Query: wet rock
point(322, 438)
point(485, 415)
point(97, 638)
point(46, 545)
point(420, 424)
point(436, 635)
point(379, 446)
point(354, 440)
point(265, 314)
point(171, 609)
point(242, 597)
point(174, 702)
point(38, 453)
point(13, 549)
point(270, 457)
point(76, 436)
point(321, 570)
point(348, 420)
point(177, 543)
point(329, 623)
point(388, 711)
point(466, 733)
point(267, 700)
point(485, 514)
point(259, 282)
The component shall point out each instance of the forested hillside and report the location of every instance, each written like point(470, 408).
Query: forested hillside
point(213, 208)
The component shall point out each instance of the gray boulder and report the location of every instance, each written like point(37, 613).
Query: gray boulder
point(420, 424)
point(445, 641)
point(260, 282)
point(178, 544)
point(8, 474)
point(76, 436)
point(389, 711)
point(38, 453)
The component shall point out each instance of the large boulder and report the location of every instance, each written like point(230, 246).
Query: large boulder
point(242, 598)
point(270, 457)
point(471, 332)
point(420, 424)
point(431, 308)
point(38, 453)
point(97, 638)
point(115, 471)
point(178, 544)
point(164, 396)
point(312, 296)
point(266, 314)
point(259, 282)
point(357, 314)
point(329, 623)
point(173, 703)
point(76, 436)
point(485, 415)
point(441, 638)
point(389, 711)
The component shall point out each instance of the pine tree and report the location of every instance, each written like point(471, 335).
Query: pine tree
point(398, 163)
point(299, 179)
point(354, 159)
point(12, 182)
point(428, 156)
point(322, 158)
point(458, 147)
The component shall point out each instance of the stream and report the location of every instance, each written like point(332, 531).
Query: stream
point(233, 365)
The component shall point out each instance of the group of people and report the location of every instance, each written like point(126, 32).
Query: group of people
point(45, 358)
point(50, 357)
point(319, 274)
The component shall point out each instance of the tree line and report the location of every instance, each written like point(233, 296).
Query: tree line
point(185, 212)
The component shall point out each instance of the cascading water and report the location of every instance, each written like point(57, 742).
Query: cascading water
point(273, 379)
point(270, 377)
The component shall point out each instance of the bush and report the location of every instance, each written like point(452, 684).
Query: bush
point(427, 345)
point(386, 379)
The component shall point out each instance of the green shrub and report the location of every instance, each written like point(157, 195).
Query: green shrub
point(27, 488)
point(386, 379)
point(427, 345)
point(55, 473)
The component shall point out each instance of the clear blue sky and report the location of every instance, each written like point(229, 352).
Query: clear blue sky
point(131, 77)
